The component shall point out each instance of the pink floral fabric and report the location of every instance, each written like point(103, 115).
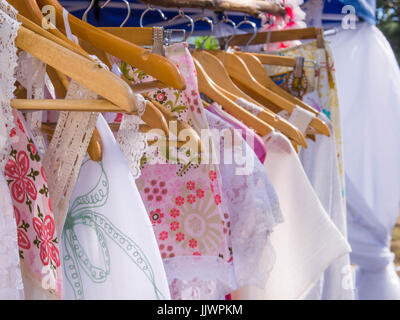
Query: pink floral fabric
point(184, 201)
point(37, 237)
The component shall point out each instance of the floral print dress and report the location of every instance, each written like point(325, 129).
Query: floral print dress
point(37, 236)
point(184, 199)
point(319, 88)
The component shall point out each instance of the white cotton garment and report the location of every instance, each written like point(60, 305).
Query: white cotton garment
point(109, 250)
point(320, 163)
point(308, 241)
point(368, 79)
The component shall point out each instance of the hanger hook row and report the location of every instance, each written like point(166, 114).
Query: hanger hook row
point(150, 8)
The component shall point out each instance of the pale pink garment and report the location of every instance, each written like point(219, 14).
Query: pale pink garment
point(37, 236)
point(256, 143)
point(184, 201)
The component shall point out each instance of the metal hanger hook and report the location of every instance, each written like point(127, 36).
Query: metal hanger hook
point(127, 6)
point(245, 21)
point(226, 19)
point(210, 23)
point(150, 8)
point(182, 14)
point(84, 17)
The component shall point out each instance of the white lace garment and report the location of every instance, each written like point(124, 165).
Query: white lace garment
point(252, 203)
point(11, 286)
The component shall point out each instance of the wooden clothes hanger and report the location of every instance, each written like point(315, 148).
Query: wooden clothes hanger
point(274, 60)
point(207, 86)
point(260, 74)
point(151, 116)
point(279, 36)
point(240, 74)
point(218, 74)
point(153, 64)
point(245, 80)
point(119, 95)
point(146, 37)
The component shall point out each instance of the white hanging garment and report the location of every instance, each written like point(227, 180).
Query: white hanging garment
point(252, 203)
point(308, 241)
point(368, 80)
point(108, 245)
point(320, 163)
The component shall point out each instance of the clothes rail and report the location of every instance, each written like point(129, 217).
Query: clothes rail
point(254, 8)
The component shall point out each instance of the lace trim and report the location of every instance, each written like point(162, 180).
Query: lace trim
point(132, 142)
point(8, 63)
point(31, 74)
point(66, 151)
point(199, 277)
point(254, 212)
point(8, 9)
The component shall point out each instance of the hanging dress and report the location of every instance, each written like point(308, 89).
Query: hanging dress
point(109, 249)
point(252, 202)
point(184, 198)
point(11, 285)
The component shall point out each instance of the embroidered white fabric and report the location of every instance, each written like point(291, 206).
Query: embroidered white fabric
point(132, 142)
point(184, 286)
point(11, 286)
point(67, 150)
point(31, 73)
point(253, 207)
point(8, 63)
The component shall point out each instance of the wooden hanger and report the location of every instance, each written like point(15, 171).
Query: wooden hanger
point(151, 116)
point(245, 80)
point(274, 59)
point(218, 74)
point(152, 64)
point(83, 71)
point(279, 36)
point(254, 7)
point(207, 86)
point(119, 95)
point(260, 74)
point(181, 125)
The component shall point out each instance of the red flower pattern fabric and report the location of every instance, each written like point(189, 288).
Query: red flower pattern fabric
point(37, 236)
point(22, 185)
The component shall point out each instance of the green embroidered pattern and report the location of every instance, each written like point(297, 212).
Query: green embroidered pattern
point(83, 212)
